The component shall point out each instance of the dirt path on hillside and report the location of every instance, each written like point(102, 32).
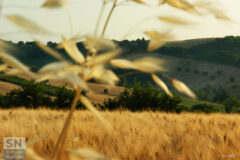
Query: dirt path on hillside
point(96, 93)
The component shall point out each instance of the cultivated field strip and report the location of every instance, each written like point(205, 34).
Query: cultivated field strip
point(6, 87)
point(96, 93)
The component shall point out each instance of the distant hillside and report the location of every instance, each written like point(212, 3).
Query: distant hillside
point(217, 50)
point(196, 74)
point(190, 42)
point(200, 63)
point(220, 50)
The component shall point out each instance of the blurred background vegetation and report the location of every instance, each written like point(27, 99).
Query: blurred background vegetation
point(222, 51)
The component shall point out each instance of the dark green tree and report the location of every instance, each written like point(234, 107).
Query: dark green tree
point(232, 104)
point(141, 98)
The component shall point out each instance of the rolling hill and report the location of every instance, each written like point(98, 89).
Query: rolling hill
point(195, 62)
point(190, 42)
point(198, 74)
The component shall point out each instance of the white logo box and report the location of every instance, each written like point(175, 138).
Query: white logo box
point(14, 143)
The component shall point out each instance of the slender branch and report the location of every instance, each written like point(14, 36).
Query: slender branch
point(99, 18)
point(70, 20)
point(108, 18)
point(56, 155)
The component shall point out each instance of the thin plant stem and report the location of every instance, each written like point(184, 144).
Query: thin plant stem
point(56, 155)
point(108, 18)
point(99, 18)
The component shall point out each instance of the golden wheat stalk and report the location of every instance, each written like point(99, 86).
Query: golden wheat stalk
point(58, 151)
point(108, 18)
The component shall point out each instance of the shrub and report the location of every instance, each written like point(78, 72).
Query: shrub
point(84, 92)
point(205, 73)
point(105, 91)
point(64, 99)
point(212, 77)
point(187, 70)
point(179, 69)
point(30, 96)
point(232, 104)
point(232, 79)
point(203, 108)
point(220, 95)
point(141, 98)
point(234, 86)
point(219, 72)
point(204, 94)
point(196, 71)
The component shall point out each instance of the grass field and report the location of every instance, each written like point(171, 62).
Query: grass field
point(135, 136)
point(189, 103)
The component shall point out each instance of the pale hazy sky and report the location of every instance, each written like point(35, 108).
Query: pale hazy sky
point(84, 14)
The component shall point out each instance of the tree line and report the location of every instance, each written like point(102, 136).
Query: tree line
point(137, 98)
point(221, 50)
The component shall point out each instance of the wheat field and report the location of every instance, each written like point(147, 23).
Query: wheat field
point(143, 135)
point(135, 136)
